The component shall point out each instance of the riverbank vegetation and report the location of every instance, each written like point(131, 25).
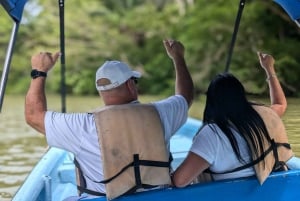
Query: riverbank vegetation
point(133, 30)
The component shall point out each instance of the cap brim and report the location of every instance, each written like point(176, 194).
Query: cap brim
point(136, 74)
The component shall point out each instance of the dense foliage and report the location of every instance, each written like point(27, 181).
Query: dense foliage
point(133, 30)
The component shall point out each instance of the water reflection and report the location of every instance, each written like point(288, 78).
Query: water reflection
point(17, 159)
point(292, 122)
point(21, 147)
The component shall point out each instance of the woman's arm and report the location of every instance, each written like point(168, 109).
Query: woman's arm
point(278, 100)
point(192, 166)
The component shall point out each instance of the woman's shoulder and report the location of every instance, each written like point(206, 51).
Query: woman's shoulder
point(208, 129)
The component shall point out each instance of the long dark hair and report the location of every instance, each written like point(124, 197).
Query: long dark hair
point(228, 107)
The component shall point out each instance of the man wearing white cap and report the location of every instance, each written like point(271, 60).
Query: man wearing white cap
point(116, 84)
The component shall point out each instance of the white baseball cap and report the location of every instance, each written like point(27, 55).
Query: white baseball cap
point(115, 73)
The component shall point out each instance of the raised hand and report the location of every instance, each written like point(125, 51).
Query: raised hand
point(44, 61)
point(174, 48)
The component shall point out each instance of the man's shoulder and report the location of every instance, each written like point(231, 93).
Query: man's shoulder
point(171, 99)
point(67, 117)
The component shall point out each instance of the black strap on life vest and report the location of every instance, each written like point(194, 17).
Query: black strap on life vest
point(81, 186)
point(136, 163)
point(278, 166)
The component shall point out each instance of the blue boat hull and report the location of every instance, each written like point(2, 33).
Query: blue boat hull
point(53, 179)
point(279, 187)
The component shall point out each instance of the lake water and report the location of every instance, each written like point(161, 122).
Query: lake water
point(21, 147)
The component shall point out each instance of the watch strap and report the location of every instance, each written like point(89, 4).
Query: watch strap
point(35, 74)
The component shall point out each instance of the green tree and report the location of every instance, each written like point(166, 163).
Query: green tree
point(133, 30)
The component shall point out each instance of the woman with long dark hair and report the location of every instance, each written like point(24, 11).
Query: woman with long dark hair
point(238, 138)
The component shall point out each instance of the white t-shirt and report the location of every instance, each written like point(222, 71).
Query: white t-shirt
point(213, 146)
point(76, 133)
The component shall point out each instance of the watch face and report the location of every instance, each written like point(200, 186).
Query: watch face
point(35, 73)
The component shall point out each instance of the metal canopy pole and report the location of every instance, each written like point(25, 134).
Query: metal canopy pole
point(235, 31)
point(8, 61)
point(15, 10)
point(62, 51)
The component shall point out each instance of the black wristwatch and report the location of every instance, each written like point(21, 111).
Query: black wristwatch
point(35, 73)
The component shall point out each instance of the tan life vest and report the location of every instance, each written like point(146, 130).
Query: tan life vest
point(275, 153)
point(279, 151)
point(130, 137)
